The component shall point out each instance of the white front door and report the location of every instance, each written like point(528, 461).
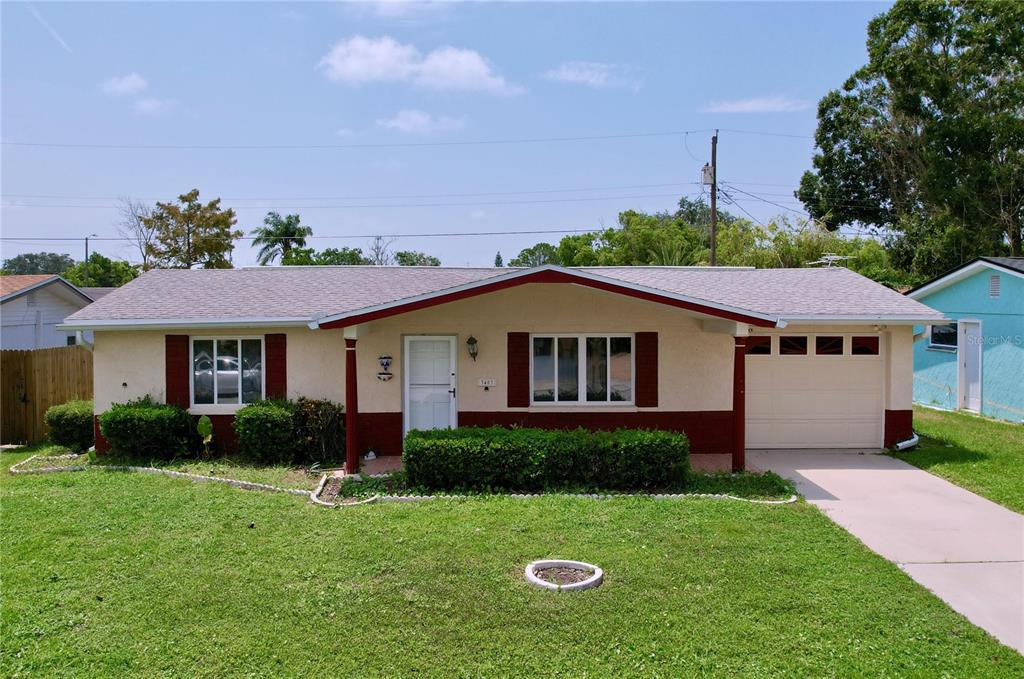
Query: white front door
point(430, 383)
point(969, 353)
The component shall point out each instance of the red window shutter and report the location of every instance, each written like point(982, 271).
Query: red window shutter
point(177, 370)
point(646, 361)
point(275, 348)
point(518, 360)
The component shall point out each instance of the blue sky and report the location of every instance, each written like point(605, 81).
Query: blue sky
point(345, 75)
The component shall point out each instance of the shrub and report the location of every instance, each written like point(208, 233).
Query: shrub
point(71, 425)
point(266, 431)
point(319, 431)
point(146, 428)
point(534, 459)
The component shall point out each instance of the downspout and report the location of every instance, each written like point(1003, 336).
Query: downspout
point(80, 340)
point(909, 443)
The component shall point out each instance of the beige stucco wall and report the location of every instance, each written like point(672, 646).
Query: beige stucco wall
point(316, 364)
point(695, 367)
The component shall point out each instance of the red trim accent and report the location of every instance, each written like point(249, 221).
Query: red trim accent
point(739, 391)
point(275, 348)
point(646, 359)
point(351, 409)
point(899, 426)
point(102, 444)
point(176, 370)
point(224, 438)
point(709, 431)
point(381, 433)
point(547, 276)
point(518, 363)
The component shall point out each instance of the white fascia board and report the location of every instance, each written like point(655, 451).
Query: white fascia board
point(958, 275)
point(171, 323)
point(834, 319)
point(512, 275)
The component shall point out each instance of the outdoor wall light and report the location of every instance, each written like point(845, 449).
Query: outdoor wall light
point(473, 347)
point(385, 362)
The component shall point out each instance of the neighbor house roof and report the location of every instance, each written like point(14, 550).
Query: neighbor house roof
point(1010, 265)
point(96, 293)
point(16, 285)
point(335, 296)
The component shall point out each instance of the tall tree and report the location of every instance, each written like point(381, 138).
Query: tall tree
point(103, 272)
point(415, 258)
point(189, 232)
point(278, 236)
point(132, 224)
point(38, 263)
point(927, 139)
point(538, 255)
point(330, 256)
point(498, 261)
point(380, 251)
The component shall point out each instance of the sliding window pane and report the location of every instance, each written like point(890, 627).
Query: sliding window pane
point(543, 369)
point(227, 371)
point(252, 370)
point(597, 368)
point(622, 368)
point(202, 371)
point(568, 369)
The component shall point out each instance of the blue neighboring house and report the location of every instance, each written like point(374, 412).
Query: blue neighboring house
point(976, 362)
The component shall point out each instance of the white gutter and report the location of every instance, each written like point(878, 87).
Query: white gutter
point(171, 323)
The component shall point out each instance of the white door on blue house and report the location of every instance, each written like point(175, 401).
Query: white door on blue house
point(430, 383)
point(969, 352)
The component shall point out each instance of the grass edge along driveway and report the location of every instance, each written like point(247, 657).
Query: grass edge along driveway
point(983, 455)
point(108, 573)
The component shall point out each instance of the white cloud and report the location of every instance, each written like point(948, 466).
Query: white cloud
point(359, 60)
point(400, 9)
point(412, 121)
point(150, 106)
point(592, 74)
point(344, 132)
point(133, 83)
point(757, 105)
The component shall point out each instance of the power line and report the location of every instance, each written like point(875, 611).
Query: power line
point(31, 196)
point(382, 145)
point(388, 145)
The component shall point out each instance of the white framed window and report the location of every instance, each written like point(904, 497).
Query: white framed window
point(226, 370)
point(943, 336)
point(588, 369)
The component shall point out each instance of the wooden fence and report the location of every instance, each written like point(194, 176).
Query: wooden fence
point(32, 381)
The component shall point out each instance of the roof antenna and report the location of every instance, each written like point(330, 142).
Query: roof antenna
point(829, 259)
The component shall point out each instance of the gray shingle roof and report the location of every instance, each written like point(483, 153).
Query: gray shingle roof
point(1015, 263)
point(307, 293)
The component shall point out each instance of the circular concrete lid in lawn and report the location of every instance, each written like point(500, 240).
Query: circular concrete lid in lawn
point(564, 576)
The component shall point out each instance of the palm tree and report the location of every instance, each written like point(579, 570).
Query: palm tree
point(278, 236)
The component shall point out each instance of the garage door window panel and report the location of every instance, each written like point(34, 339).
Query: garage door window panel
point(864, 346)
point(828, 345)
point(793, 345)
point(759, 345)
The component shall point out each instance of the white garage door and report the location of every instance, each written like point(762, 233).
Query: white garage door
point(815, 392)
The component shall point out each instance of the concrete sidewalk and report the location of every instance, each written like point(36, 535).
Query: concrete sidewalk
point(967, 550)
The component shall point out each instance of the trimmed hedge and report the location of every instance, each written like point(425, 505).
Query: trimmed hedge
point(71, 425)
point(148, 429)
point(474, 458)
point(285, 432)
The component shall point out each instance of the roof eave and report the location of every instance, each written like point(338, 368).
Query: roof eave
point(42, 284)
point(956, 275)
point(886, 319)
point(185, 323)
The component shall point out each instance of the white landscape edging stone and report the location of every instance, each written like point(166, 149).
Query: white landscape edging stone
point(314, 496)
point(595, 579)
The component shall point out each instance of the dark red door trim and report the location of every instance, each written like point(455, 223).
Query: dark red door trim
point(546, 277)
point(176, 370)
point(351, 409)
point(739, 409)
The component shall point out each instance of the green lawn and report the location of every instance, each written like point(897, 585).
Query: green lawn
point(109, 573)
point(982, 455)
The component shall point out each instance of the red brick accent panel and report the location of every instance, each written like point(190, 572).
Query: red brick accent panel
point(518, 360)
point(381, 433)
point(899, 426)
point(223, 433)
point(275, 348)
point(176, 370)
point(646, 353)
point(710, 431)
point(102, 445)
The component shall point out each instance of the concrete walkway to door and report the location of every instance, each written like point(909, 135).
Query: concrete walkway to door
point(967, 550)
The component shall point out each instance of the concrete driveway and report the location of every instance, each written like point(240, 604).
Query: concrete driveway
point(967, 550)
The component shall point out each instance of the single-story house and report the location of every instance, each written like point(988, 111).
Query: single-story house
point(734, 357)
point(31, 307)
point(975, 362)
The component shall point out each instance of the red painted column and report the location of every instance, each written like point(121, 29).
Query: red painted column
point(739, 410)
point(351, 409)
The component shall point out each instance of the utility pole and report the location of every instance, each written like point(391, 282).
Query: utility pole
point(714, 198)
point(85, 264)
